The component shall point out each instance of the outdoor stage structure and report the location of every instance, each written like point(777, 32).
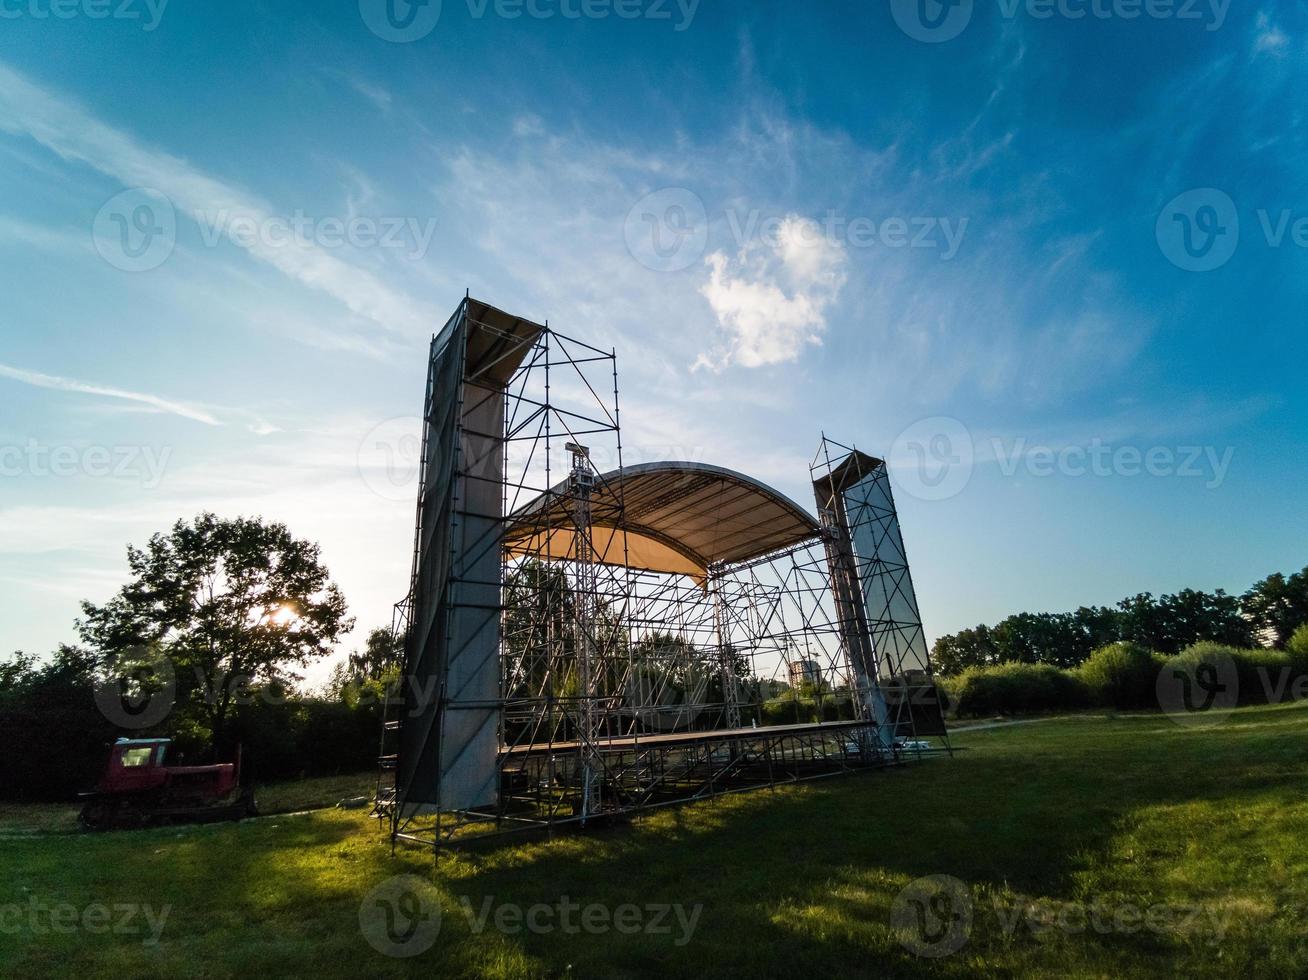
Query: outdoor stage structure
point(584, 639)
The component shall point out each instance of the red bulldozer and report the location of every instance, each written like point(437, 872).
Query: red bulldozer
point(138, 789)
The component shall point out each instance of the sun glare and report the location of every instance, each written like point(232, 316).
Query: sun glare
point(283, 616)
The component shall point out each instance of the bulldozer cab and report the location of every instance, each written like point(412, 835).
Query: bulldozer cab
point(134, 764)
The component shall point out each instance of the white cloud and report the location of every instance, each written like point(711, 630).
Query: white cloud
point(374, 93)
point(528, 125)
point(771, 300)
point(39, 380)
point(1270, 38)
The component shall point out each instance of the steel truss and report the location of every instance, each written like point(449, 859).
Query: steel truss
point(622, 689)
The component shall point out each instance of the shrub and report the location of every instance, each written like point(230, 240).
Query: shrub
point(1263, 675)
point(1012, 688)
point(1121, 675)
point(1297, 650)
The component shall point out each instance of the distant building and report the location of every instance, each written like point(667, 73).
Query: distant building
point(805, 672)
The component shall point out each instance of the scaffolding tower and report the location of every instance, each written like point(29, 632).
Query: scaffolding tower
point(584, 640)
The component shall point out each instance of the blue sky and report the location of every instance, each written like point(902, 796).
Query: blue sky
point(967, 253)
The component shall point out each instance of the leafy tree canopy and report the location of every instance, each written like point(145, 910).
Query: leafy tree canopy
point(234, 602)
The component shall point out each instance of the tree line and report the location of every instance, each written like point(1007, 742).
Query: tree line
point(205, 644)
point(1268, 613)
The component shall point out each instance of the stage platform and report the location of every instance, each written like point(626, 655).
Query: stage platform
point(673, 739)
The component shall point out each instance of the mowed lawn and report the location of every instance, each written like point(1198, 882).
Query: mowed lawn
point(1092, 846)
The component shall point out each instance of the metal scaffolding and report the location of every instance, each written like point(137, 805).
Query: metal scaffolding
point(629, 637)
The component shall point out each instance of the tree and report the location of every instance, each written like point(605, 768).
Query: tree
point(52, 732)
point(1193, 616)
point(955, 653)
point(1142, 621)
point(236, 602)
point(383, 651)
point(17, 672)
point(1171, 623)
point(1278, 604)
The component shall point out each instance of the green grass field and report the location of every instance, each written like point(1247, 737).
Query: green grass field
point(1089, 846)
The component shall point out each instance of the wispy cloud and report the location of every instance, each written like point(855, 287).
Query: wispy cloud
point(374, 93)
point(1268, 38)
point(74, 134)
point(40, 380)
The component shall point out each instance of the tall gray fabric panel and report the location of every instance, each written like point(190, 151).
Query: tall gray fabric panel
point(470, 712)
point(888, 597)
point(449, 736)
point(418, 765)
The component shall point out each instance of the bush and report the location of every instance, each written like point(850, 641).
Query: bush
point(1121, 675)
point(1263, 676)
point(1297, 650)
point(1012, 688)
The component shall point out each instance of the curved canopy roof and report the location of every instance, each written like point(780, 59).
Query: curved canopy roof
point(680, 518)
